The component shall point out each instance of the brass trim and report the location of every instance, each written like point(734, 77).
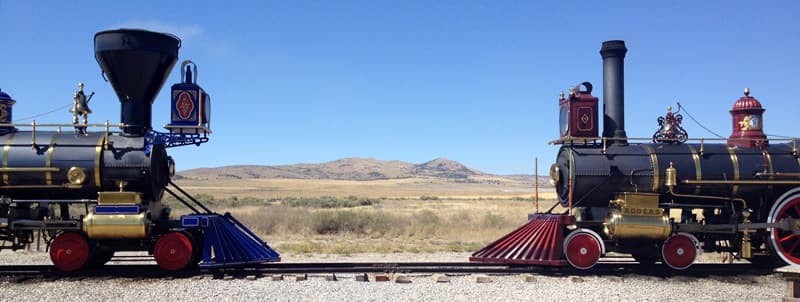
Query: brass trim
point(735, 162)
point(778, 174)
point(48, 160)
point(573, 140)
point(119, 198)
point(7, 148)
point(636, 215)
point(40, 125)
point(741, 182)
point(115, 226)
point(571, 180)
point(670, 177)
point(656, 172)
point(29, 169)
point(105, 145)
point(76, 176)
point(771, 170)
point(555, 174)
point(698, 169)
point(798, 161)
point(98, 150)
point(33, 134)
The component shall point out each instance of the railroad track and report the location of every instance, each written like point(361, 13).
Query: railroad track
point(607, 268)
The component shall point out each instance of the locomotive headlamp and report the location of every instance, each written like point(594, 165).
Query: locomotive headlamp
point(578, 113)
point(76, 176)
point(555, 174)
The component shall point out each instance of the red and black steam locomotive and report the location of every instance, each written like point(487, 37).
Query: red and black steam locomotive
point(93, 193)
point(665, 198)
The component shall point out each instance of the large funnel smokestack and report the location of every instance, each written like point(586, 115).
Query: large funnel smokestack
point(613, 53)
point(137, 63)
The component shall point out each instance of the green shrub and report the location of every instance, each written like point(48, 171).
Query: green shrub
point(329, 202)
point(427, 218)
point(492, 220)
point(210, 201)
point(335, 222)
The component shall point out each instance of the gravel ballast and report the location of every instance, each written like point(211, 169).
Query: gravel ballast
point(421, 288)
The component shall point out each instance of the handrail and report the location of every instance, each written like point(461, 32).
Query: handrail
point(650, 139)
point(35, 125)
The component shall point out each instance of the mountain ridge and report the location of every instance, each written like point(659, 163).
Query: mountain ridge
point(351, 168)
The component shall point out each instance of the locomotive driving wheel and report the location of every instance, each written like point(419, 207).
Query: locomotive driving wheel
point(680, 250)
point(69, 252)
point(785, 243)
point(173, 251)
point(582, 249)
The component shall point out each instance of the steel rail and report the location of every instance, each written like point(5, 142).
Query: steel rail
point(613, 268)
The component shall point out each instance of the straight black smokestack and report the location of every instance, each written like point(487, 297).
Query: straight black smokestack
point(613, 53)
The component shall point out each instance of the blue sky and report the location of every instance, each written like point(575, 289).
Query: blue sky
point(473, 81)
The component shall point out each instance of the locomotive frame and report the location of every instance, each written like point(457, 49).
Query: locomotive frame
point(661, 198)
point(118, 178)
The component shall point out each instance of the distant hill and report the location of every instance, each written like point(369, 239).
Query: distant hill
point(349, 169)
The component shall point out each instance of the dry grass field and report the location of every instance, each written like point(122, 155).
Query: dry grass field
point(397, 215)
point(486, 187)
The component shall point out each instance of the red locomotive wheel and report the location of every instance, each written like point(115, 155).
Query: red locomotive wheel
point(173, 251)
point(784, 242)
point(679, 251)
point(69, 252)
point(582, 250)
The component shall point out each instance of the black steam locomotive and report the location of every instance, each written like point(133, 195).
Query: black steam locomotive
point(93, 193)
point(666, 198)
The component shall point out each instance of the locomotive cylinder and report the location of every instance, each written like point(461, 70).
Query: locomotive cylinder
point(119, 226)
point(636, 216)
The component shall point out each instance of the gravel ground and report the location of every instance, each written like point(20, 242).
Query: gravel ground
point(421, 288)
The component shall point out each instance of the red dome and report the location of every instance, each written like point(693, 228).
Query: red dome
point(747, 102)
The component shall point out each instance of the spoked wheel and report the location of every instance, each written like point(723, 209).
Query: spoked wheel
point(785, 243)
point(69, 252)
point(173, 251)
point(680, 250)
point(582, 249)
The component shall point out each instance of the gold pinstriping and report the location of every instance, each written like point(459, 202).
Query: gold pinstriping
point(6, 149)
point(698, 169)
point(48, 158)
point(98, 150)
point(735, 162)
point(656, 172)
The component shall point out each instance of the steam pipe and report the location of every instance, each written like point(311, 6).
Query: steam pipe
point(613, 53)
